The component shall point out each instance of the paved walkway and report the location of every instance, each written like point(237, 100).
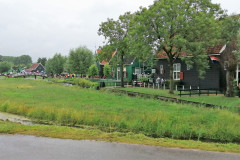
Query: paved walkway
point(19, 147)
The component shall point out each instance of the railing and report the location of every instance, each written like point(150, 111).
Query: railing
point(29, 74)
point(197, 91)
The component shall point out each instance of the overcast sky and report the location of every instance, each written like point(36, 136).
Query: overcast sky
point(41, 28)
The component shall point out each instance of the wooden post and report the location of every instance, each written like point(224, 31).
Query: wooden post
point(183, 87)
point(148, 85)
point(164, 86)
point(199, 92)
point(144, 84)
point(176, 87)
point(127, 84)
point(153, 85)
point(158, 85)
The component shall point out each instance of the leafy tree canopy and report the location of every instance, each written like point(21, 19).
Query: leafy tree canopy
point(116, 33)
point(23, 59)
point(42, 61)
point(80, 59)
point(175, 27)
point(5, 66)
point(56, 64)
point(107, 70)
point(93, 70)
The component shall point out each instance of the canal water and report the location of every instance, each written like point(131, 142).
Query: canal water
point(15, 118)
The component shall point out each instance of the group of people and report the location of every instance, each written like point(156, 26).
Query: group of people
point(160, 81)
point(69, 75)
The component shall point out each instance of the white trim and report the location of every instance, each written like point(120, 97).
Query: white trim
point(238, 71)
point(223, 48)
point(177, 72)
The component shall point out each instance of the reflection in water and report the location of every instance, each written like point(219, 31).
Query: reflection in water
point(15, 118)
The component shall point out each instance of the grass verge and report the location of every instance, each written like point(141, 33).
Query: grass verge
point(95, 134)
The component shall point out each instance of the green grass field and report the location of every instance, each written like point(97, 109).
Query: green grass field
point(46, 101)
point(233, 104)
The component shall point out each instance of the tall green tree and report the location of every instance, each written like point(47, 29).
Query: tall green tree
point(230, 56)
point(42, 61)
point(5, 66)
point(55, 65)
point(116, 35)
point(80, 59)
point(176, 26)
point(23, 59)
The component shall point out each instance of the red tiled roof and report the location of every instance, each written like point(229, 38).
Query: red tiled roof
point(215, 50)
point(104, 62)
point(34, 66)
point(164, 55)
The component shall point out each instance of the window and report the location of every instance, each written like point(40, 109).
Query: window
point(176, 71)
point(161, 69)
point(137, 70)
point(188, 67)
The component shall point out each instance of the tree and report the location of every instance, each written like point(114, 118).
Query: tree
point(23, 59)
point(5, 66)
point(107, 70)
point(80, 59)
point(93, 70)
point(55, 65)
point(175, 27)
point(116, 34)
point(230, 29)
point(42, 61)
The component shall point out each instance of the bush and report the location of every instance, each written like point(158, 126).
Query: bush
point(107, 70)
point(85, 83)
point(93, 70)
point(143, 79)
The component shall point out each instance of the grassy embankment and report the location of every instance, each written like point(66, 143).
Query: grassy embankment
point(44, 101)
point(89, 133)
point(232, 104)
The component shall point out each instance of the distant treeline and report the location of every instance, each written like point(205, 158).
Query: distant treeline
point(23, 59)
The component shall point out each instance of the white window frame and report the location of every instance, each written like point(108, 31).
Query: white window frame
point(176, 71)
point(188, 67)
point(161, 69)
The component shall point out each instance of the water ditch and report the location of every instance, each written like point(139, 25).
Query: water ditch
point(15, 118)
point(163, 98)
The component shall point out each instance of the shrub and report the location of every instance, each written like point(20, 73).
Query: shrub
point(85, 83)
point(143, 79)
point(93, 70)
point(4, 107)
point(107, 70)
